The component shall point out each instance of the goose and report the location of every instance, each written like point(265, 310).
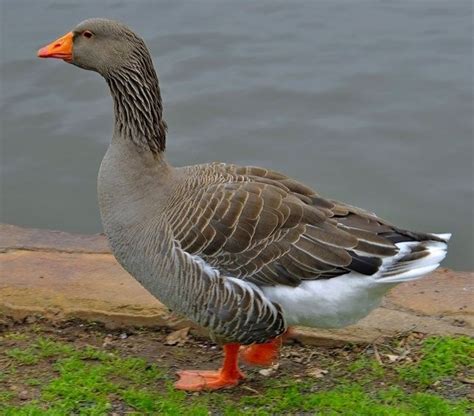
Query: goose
point(243, 251)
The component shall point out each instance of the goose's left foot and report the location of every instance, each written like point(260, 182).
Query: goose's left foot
point(228, 376)
point(264, 355)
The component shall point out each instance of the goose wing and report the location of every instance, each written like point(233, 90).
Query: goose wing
point(261, 226)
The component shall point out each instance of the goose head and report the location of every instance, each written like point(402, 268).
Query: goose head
point(101, 45)
point(122, 58)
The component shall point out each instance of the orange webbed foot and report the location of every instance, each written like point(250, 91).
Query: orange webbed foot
point(228, 376)
point(207, 380)
point(266, 354)
point(263, 355)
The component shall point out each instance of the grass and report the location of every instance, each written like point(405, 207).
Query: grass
point(352, 399)
point(441, 358)
point(69, 378)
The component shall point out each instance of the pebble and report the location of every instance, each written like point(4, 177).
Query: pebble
point(23, 395)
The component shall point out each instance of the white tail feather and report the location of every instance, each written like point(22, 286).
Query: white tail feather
point(409, 275)
point(446, 236)
point(395, 270)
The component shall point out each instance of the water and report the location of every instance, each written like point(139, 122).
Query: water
point(369, 102)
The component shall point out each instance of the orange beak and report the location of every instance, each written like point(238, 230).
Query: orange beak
point(60, 48)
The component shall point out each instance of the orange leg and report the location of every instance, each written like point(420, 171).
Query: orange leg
point(228, 376)
point(264, 354)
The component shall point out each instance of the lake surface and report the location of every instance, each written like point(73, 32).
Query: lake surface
point(369, 102)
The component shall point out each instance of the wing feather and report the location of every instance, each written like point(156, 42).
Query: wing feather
point(259, 225)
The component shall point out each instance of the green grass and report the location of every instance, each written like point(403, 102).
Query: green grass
point(16, 336)
point(90, 381)
point(23, 356)
point(351, 399)
point(367, 369)
point(42, 348)
point(5, 396)
point(442, 357)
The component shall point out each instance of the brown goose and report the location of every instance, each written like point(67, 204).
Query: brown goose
point(243, 251)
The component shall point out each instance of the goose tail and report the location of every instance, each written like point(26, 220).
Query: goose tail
point(414, 259)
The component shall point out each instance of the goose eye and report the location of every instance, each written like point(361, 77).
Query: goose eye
point(87, 34)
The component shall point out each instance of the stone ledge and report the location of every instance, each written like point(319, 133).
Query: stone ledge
point(61, 276)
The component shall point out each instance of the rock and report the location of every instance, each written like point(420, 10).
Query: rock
point(178, 337)
point(23, 395)
point(14, 237)
point(107, 341)
point(316, 372)
point(267, 372)
point(31, 319)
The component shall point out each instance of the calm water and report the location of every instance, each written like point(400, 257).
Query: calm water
point(369, 102)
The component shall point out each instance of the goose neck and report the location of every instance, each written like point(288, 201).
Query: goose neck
point(138, 107)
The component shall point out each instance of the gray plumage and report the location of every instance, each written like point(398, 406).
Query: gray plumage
point(208, 239)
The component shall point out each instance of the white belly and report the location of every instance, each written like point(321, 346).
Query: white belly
point(330, 303)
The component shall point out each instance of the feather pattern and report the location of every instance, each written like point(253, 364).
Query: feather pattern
point(258, 225)
point(241, 250)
